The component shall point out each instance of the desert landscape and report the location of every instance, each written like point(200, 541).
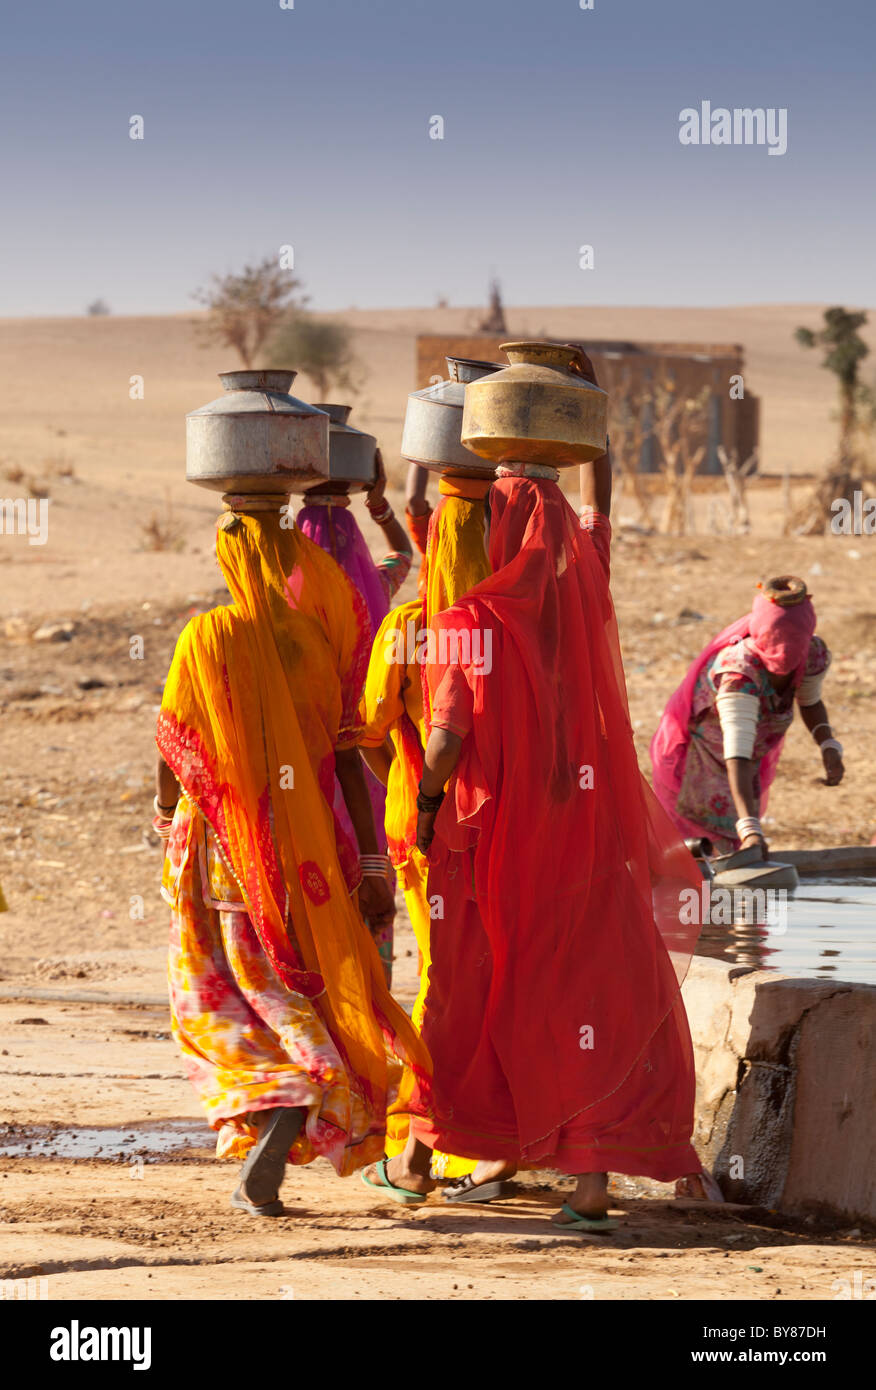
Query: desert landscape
point(138, 1208)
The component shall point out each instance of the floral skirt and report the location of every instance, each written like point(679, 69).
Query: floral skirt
point(247, 1044)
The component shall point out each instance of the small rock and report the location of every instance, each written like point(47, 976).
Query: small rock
point(54, 632)
point(16, 630)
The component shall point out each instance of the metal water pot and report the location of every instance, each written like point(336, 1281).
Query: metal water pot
point(540, 410)
point(351, 452)
point(257, 438)
point(433, 421)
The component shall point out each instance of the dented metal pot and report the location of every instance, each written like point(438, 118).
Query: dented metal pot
point(256, 438)
point(433, 421)
point(541, 409)
point(351, 451)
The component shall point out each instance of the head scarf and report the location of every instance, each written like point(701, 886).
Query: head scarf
point(251, 715)
point(456, 556)
point(336, 531)
point(779, 629)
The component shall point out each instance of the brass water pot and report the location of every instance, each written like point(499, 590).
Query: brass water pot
point(541, 409)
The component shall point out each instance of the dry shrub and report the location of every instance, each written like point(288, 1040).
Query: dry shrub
point(163, 533)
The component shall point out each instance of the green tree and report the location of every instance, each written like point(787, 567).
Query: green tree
point(243, 310)
point(845, 350)
point(323, 348)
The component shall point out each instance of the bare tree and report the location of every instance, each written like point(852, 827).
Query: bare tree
point(681, 427)
point(736, 476)
point(243, 310)
point(629, 430)
point(495, 319)
point(97, 308)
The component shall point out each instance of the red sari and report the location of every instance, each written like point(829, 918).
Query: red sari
point(553, 1014)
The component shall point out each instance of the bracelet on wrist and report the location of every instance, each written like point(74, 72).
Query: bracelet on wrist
point(748, 825)
point(429, 804)
point(374, 865)
point(381, 517)
point(165, 812)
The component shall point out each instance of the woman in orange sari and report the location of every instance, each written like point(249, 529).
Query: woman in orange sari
point(278, 997)
point(553, 1014)
point(394, 728)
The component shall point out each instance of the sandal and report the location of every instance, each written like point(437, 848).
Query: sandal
point(597, 1224)
point(389, 1189)
point(265, 1164)
point(467, 1190)
point(242, 1203)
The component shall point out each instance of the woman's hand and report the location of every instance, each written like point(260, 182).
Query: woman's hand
point(751, 841)
point(834, 770)
point(376, 900)
point(425, 830)
point(374, 495)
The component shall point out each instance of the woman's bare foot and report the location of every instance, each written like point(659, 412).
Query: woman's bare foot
point(492, 1170)
point(590, 1199)
point(409, 1170)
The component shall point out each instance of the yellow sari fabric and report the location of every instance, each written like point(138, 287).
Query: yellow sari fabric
point(392, 707)
point(259, 695)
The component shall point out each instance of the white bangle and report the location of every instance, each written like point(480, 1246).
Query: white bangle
point(822, 725)
point(748, 825)
point(831, 743)
point(374, 865)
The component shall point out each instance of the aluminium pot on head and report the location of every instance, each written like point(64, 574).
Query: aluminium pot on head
point(257, 438)
point(433, 421)
point(351, 451)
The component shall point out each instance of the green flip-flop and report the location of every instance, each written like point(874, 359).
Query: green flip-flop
point(398, 1194)
point(596, 1224)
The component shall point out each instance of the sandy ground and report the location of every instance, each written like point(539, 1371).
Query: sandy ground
point(83, 947)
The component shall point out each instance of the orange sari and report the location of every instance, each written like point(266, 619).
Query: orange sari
point(277, 991)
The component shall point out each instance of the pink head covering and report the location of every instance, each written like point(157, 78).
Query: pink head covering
point(337, 531)
point(779, 629)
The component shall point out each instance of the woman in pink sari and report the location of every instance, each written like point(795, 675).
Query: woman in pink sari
point(326, 519)
point(716, 749)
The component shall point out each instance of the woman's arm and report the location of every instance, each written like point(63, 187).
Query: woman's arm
point(382, 513)
point(379, 760)
point(375, 895)
point(418, 479)
point(166, 787)
point(740, 773)
point(596, 484)
point(816, 720)
point(439, 763)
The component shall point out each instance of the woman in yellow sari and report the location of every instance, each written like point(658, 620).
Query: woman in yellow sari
point(278, 998)
point(394, 720)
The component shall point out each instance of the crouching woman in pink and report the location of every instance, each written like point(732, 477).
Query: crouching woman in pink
point(715, 752)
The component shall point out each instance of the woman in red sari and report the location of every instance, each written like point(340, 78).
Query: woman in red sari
point(553, 1015)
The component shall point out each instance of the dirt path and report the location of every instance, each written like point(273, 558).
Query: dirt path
point(83, 949)
point(148, 1222)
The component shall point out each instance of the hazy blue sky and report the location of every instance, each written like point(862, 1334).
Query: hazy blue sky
point(310, 126)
